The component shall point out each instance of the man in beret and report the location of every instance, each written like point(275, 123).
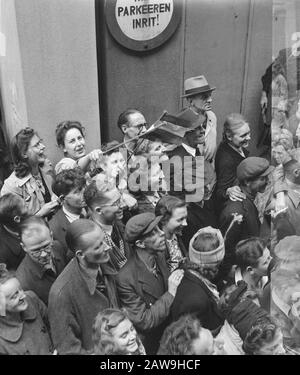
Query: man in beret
point(145, 288)
point(252, 174)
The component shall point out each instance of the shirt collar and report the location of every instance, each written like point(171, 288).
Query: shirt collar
point(69, 215)
point(24, 180)
point(11, 330)
point(284, 307)
point(90, 275)
point(39, 268)
point(294, 197)
point(189, 149)
point(237, 275)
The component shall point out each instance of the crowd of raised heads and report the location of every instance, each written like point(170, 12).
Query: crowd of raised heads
point(168, 242)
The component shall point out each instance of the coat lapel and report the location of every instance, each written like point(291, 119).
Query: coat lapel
point(146, 279)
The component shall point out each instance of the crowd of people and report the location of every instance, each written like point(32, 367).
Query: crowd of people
point(168, 245)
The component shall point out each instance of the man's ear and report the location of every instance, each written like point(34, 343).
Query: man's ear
point(78, 252)
point(296, 172)
point(17, 219)
point(249, 269)
point(140, 244)
point(23, 247)
point(98, 209)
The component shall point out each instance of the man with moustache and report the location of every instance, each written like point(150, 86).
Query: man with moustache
point(105, 208)
point(83, 289)
point(252, 174)
point(70, 184)
point(145, 287)
point(44, 260)
point(132, 123)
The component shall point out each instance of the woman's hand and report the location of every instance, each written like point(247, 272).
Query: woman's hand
point(235, 194)
point(48, 208)
point(95, 155)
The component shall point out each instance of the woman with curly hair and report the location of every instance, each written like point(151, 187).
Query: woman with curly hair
point(187, 337)
point(70, 137)
point(264, 338)
point(114, 334)
point(32, 177)
point(282, 146)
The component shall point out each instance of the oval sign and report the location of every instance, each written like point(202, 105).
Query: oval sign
point(142, 25)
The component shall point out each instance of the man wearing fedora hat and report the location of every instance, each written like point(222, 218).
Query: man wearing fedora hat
point(198, 93)
point(252, 174)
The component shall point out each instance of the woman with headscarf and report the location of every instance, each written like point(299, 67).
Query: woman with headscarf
point(197, 292)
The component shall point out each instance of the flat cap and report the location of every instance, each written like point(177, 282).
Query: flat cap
point(140, 225)
point(253, 167)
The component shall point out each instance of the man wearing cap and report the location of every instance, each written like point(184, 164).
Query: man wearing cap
point(198, 93)
point(144, 285)
point(252, 174)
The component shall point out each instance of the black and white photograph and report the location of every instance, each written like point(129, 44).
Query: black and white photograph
point(149, 181)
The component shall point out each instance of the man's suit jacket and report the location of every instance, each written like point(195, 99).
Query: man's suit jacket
point(147, 303)
point(193, 173)
point(59, 225)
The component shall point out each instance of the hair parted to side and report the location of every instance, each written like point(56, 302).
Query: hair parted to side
point(124, 117)
point(76, 230)
point(93, 195)
point(31, 226)
point(178, 337)
point(105, 321)
point(68, 180)
point(11, 205)
point(262, 332)
point(166, 206)
point(232, 122)
point(107, 148)
point(248, 252)
point(63, 127)
point(19, 146)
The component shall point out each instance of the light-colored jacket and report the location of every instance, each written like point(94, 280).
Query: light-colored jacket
point(210, 147)
point(28, 189)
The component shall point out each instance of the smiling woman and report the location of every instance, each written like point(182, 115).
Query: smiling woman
point(32, 176)
point(22, 319)
point(70, 138)
point(113, 333)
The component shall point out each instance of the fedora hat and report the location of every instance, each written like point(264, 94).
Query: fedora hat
point(196, 85)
